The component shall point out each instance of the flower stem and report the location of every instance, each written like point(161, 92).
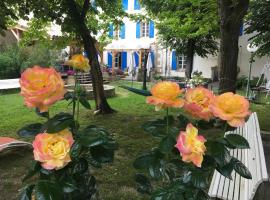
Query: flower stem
point(74, 96)
point(167, 119)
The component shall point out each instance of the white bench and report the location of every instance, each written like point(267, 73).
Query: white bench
point(240, 188)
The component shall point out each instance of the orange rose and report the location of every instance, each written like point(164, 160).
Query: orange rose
point(165, 94)
point(41, 87)
point(52, 150)
point(78, 61)
point(198, 101)
point(191, 145)
point(230, 107)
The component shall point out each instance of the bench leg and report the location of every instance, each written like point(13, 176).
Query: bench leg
point(263, 192)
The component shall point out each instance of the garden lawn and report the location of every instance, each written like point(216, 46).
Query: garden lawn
point(115, 181)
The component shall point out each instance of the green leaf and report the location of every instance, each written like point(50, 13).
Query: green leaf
point(80, 166)
point(42, 114)
point(237, 141)
point(85, 103)
point(148, 159)
point(103, 153)
point(30, 130)
point(226, 170)
point(59, 122)
point(219, 152)
point(94, 163)
point(34, 170)
point(48, 190)
point(167, 144)
point(75, 150)
point(199, 179)
point(137, 91)
point(155, 127)
point(144, 185)
point(92, 139)
point(202, 195)
point(27, 192)
point(174, 191)
point(241, 169)
point(68, 185)
point(182, 121)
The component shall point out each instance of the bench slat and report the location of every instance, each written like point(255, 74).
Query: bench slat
point(240, 188)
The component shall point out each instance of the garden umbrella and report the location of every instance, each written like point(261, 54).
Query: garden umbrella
point(149, 64)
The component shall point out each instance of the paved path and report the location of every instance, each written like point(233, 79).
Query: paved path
point(9, 84)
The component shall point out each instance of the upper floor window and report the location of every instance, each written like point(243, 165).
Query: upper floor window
point(137, 5)
point(145, 29)
point(181, 62)
point(116, 33)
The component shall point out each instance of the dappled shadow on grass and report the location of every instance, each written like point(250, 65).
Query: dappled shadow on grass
point(13, 165)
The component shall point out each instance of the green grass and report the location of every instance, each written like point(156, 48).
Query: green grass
point(115, 181)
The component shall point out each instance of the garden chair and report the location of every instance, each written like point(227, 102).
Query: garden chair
point(264, 80)
point(240, 188)
point(6, 142)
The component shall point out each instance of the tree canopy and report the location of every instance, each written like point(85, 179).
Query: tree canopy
point(258, 23)
point(189, 26)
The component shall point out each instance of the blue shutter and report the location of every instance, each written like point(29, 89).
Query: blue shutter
point(136, 59)
point(153, 58)
point(138, 30)
point(123, 31)
point(241, 30)
point(124, 60)
point(137, 5)
point(125, 4)
point(174, 61)
point(110, 60)
point(111, 30)
point(151, 29)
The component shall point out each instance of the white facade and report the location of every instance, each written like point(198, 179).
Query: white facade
point(163, 59)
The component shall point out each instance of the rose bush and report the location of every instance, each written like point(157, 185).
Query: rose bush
point(41, 87)
point(198, 101)
point(191, 145)
point(63, 151)
point(52, 150)
point(186, 176)
point(165, 94)
point(79, 62)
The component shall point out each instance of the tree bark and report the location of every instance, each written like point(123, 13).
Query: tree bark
point(190, 57)
point(231, 15)
point(102, 105)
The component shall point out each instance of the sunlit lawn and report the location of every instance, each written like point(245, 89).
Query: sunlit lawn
point(115, 181)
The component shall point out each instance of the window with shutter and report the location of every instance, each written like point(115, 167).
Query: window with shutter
point(151, 29)
point(125, 4)
point(138, 30)
point(144, 29)
point(137, 5)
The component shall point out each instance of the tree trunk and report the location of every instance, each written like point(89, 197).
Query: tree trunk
point(190, 57)
point(231, 15)
point(102, 105)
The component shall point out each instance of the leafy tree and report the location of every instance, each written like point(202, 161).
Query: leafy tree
point(84, 18)
point(231, 14)
point(189, 26)
point(36, 32)
point(258, 23)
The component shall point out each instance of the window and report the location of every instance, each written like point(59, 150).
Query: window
point(117, 60)
point(116, 33)
point(144, 29)
point(181, 62)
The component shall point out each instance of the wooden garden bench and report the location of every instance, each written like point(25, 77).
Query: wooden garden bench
point(240, 188)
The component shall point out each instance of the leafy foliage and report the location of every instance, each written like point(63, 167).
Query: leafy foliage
point(258, 24)
point(182, 180)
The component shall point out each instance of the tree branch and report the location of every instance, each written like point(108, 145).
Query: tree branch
point(85, 8)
